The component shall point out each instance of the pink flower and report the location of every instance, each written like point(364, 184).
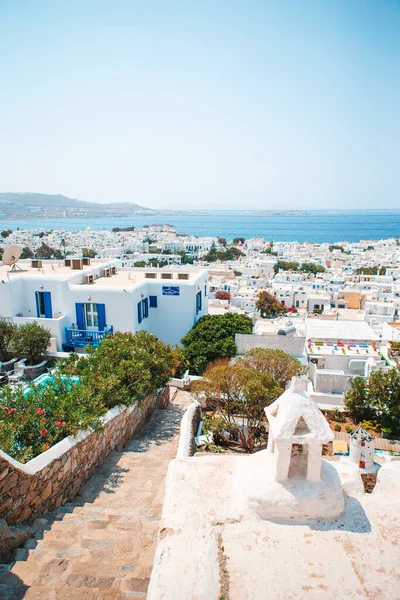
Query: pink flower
point(46, 446)
point(63, 424)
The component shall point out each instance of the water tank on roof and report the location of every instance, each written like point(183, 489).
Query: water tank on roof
point(287, 331)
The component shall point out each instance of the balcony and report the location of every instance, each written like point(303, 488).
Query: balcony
point(79, 338)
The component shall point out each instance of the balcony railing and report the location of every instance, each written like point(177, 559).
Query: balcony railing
point(82, 337)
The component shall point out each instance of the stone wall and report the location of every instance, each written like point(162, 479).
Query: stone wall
point(54, 477)
point(31, 372)
point(293, 345)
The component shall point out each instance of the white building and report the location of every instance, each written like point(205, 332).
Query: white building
point(80, 303)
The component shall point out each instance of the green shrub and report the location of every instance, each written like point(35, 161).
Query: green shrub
point(123, 370)
point(349, 429)
point(217, 425)
point(32, 422)
point(7, 330)
point(338, 427)
point(368, 425)
point(31, 340)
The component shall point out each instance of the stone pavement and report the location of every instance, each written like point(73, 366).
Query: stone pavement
point(101, 545)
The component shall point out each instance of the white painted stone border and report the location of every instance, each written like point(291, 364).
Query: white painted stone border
point(187, 433)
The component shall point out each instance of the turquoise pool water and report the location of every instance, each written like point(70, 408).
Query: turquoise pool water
point(46, 379)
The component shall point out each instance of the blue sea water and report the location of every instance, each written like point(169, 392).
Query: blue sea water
point(316, 226)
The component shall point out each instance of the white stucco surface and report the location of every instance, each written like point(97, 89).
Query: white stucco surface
point(215, 541)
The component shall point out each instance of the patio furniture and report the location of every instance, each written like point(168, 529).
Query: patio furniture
point(17, 375)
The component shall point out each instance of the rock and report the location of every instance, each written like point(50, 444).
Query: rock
point(12, 536)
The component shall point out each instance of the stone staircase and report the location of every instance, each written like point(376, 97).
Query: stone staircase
point(101, 545)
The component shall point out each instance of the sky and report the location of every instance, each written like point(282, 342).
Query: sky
point(282, 104)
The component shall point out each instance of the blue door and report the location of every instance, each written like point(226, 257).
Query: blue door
point(43, 305)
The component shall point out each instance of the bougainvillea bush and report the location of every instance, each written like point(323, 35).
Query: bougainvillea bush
point(123, 370)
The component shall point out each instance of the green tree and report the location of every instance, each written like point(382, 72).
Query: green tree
point(367, 271)
point(270, 250)
point(276, 362)
point(31, 340)
point(26, 252)
point(377, 398)
point(89, 253)
point(312, 268)
point(7, 330)
point(240, 395)
point(222, 241)
point(269, 306)
point(58, 254)
point(285, 265)
point(5, 233)
point(186, 260)
point(238, 240)
point(45, 251)
point(212, 338)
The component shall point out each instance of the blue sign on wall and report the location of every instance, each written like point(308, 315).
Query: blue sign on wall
point(170, 290)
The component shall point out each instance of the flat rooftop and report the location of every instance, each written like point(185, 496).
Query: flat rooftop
point(57, 269)
point(340, 330)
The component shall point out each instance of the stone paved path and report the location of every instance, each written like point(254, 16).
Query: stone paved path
point(101, 545)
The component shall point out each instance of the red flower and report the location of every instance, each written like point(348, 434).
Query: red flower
point(43, 433)
point(40, 411)
point(57, 423)
point(46, 446)
point(63, 424)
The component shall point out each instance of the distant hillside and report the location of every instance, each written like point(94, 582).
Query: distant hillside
point(28, 205)
point(32, 199)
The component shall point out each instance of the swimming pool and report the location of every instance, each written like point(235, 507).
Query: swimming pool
point(46, 379)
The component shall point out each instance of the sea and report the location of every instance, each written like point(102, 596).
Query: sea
point(315, 226)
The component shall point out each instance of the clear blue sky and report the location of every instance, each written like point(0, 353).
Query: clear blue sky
point(269, 104)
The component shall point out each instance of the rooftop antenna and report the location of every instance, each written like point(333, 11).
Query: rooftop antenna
point(11, 256)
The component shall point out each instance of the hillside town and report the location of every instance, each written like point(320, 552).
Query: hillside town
point(127, 355)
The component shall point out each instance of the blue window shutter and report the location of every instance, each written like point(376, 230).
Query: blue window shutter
point(139, 310)
point(153, 301)
point(48, 311)
point(37, 304)
point(101, 315)
point(198, 302)
point(146, 307)
point(80, 319)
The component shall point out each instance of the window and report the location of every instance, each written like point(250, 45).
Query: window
point(183, 276)
point(139, 306)
point(43, 305)
point(166, 275)
point(198, 302)
point(145, 308)
point(153, 301)
point(91, 315)
point(205, 290)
